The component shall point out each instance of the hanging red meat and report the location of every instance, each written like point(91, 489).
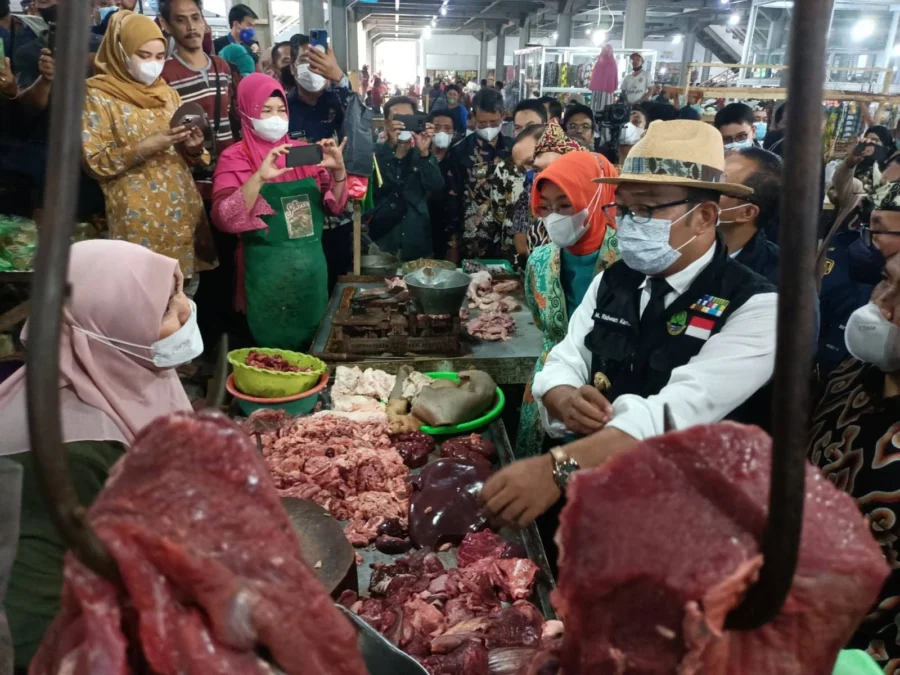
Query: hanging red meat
point(212, 573)
point(658, 545)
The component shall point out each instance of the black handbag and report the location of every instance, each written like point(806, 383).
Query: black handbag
point(389, 211)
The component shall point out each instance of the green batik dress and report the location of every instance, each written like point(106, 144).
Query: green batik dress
point(547, 302)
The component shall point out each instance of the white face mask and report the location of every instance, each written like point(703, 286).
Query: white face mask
point(442, 140)
point(489, 134)
point(271, 129)
point(730, 208)
point(469, 132)
point(565, 231)
point(182, 346)
point(404, 136)
point(145, 72)
point(739, 145)
point(308, 80)
point(873, 339)
point(645, 246)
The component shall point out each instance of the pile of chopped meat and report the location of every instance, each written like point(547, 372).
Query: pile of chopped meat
point(491, 326)
point(348, 466)
point(492, 296)
point(454, 620)
point(212, 575)
point(659, 544)
point(273, 362)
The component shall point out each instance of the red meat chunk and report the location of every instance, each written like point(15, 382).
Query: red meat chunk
point(658, 545)
point(469, 659)
point(211, 568)
point(273, 362)
point(486, 544)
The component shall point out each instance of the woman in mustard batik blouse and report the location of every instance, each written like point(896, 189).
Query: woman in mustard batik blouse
point(142, 165)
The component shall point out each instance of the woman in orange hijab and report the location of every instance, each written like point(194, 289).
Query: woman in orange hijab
point(583, 242)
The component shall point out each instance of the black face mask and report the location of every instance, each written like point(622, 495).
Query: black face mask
point(637, 68)
point(48, 14)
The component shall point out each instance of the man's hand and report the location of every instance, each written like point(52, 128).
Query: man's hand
point(162, 140)
point(8, 86)
point(584, 410)
point(324, 63)
point(520, 492)
point(47, 65)
point(423, 140)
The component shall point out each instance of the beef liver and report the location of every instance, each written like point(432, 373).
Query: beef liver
point(658, 545)
point(444, 506)
point(211, 568)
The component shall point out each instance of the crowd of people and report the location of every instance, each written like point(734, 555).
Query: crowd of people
point(648, 247)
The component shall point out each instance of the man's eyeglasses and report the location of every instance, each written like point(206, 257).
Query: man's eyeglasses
point(579, 128)
point(641, 213)
point(867, 235)
point(496, 124)
point(737, 138)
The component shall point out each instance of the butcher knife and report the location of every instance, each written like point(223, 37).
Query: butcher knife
point(380, 655)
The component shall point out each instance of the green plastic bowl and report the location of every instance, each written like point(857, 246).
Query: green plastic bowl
point(465, 427)
point(262, 383)
point(302, 404)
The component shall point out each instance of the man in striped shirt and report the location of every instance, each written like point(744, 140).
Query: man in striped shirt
point(198, 77)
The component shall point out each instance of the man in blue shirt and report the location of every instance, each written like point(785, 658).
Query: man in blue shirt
point(241, 20)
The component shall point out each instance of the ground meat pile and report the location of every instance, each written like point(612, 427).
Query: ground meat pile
point(453, 620)
point(273, 362)
point(348, 466)
point(492, 326)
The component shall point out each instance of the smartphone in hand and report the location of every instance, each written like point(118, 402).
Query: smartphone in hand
point(51, 38)
point(319, 38)
point(414, 123)
point(303, 155)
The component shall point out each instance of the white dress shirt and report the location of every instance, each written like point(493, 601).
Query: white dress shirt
point(729, 368)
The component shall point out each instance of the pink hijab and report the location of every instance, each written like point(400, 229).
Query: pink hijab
point(241, 160)
point(106, 395)
point(605, 76)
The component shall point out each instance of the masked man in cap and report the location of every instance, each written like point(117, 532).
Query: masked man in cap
point(676, 324)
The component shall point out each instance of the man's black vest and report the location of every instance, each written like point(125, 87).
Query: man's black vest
point(641, 362)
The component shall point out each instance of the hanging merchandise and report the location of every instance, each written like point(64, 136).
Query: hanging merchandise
point(564, 75)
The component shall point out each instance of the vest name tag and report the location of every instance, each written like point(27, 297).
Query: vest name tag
point(612, 319)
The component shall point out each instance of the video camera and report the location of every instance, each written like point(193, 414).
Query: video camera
point(611, 119)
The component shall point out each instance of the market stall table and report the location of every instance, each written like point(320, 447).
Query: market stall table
point(508, 362)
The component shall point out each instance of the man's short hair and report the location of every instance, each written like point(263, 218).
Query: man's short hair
point(238, 13)
point(701, 195)
point(498, 85)
point(484, 83)
point(578, 109)
point(734, 113)
point(489, 101)
point(778, 117)
point(554, 107)
point(452, 87)
point(766, 182)
point(4, 9)
point(654, 111)
point(535, 131)
point(440, 112)
point(165, 7)
point(532, 105)
point(399, 100)
point(278, 47)
point(689, 113)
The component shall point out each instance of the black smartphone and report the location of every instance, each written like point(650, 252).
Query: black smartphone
point(303, 155)
point(51, 38)
point(414, 123)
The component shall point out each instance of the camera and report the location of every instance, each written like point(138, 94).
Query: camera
point(615, 114)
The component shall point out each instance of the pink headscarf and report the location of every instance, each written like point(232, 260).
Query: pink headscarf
point(106, 395)
point(241, 160)
point(605, 76)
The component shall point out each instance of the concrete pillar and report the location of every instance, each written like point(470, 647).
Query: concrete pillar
point(337, 32)
point(499, 70)
point(564, 28)
point(263, 24)
point(312, 15)
point(353, 64)
point(707, 58)
point(777, 33)
point(524, 32)
point(482, 62)
point(370, 55)
point(687, 54)
point(635, 23)
point(884, 60)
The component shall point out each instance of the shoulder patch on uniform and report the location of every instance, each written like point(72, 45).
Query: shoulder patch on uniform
point(677, 323)
point(710, 305)
point(829, 265)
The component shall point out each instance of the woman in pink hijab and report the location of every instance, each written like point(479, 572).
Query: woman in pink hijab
point(124, 331)
point(278, 212)
point(604, 79)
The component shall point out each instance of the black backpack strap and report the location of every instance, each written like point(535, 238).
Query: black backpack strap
point(217, 109)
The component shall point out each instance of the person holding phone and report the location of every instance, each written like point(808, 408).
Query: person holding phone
point(278, 212)
point(855, 175)
point(400, 222)
point(142, 164)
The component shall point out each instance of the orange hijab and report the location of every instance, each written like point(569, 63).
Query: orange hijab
point(574, 174)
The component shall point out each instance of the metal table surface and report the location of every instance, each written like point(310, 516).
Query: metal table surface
point(509, 362)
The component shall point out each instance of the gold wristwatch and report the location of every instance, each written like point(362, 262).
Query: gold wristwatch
point(563, 467)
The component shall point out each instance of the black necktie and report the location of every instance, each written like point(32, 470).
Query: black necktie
point(659, 289)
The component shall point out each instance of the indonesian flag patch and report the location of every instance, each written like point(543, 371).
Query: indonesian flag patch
point(700, 327)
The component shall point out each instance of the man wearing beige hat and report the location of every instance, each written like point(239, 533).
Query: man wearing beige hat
point(676, 324)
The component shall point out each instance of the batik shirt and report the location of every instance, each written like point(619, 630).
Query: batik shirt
point(855, 441)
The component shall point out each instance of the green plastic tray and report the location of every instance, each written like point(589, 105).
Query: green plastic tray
point(482, 421)
point(264, 383)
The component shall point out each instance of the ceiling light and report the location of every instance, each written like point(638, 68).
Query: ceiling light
point(724, 2)
point(434, 22)
point(676, 39)
point(734, 19)
point(396, 18)
point(588, 31)
point(663, 70)
point(396, 5)
point(863, 29)
point(554, 35)
point(598, 37)
point(426, 33)
point(444, 10)
point(896, 51)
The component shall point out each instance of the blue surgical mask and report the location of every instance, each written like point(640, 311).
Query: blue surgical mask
point(738, 145)
point(645, 246)
point(529, 177)
point(105, 12)
point(247, 35)
point(761, 129)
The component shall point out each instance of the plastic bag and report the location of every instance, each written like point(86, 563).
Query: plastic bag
point(359, 153)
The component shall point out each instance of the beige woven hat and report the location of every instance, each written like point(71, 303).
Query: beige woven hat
point(681, 152)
